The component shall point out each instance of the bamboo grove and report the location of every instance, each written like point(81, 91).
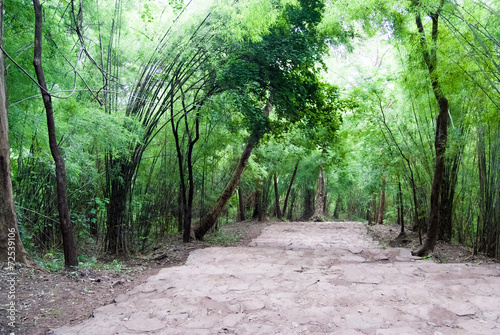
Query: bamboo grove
point(175, 117)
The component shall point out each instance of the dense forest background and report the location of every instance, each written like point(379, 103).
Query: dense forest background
point(176, 117)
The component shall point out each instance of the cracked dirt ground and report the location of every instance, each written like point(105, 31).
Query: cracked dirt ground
point(307, 278)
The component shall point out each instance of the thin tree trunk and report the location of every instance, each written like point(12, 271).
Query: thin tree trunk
point(447, 198)
point(11, 247)
point(292, 203)
point(337, 209)
point(319, 208)
point(381, 209)
point(289, 188)
point(441, 132)
point(401, 210)
point(266, 189)
point(70, 256)
point(241, 206)
point(276, 197)
point(116, 216)
point(257, 211)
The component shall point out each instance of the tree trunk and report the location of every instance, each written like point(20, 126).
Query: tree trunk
point(338, 205)
point(241, 206)
point(381, 209)
point(401, 211)
point(487, 220)
point(289, 188)
point(11, 247)
point(257, 211)
point(276, 197)
point(319, 209)
point(308, 205)
point(447, 198)
point(116, 241)
point(289, 216)
point(70, 257)
point(200, 228)
point(441, 133)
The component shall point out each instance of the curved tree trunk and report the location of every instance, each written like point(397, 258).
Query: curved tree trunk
point(70, 257)
point(319, 208)
point(200, 228)
point(11, 247)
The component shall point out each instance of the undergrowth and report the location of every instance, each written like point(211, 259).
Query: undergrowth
point(54, 262)
point(222, 238)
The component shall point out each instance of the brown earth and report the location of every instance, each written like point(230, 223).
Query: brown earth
point(50, 300)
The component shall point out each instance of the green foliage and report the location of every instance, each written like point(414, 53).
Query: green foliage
point(53, 262)
point(221, 238)
point(347, 80)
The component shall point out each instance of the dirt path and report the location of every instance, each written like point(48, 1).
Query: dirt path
point(307, 278)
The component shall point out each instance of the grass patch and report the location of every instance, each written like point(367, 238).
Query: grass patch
point(54, 262)
point(222, 238)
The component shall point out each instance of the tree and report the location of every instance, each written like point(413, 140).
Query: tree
point(11, 246)
point(70, 255)
point(282, 70)
point(429, 54)
point(201, 227)
point(319, 208)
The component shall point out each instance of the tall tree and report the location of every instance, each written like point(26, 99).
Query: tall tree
point(429, 54)
point(280, 69)
point(11, 246)
point(70, 255)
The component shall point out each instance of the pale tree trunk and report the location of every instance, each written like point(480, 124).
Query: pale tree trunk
point(319, 208)
point(200, 228)
point(11, 247)
point(70, 257)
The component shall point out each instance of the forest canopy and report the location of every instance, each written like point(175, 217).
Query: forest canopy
point(174, 117)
